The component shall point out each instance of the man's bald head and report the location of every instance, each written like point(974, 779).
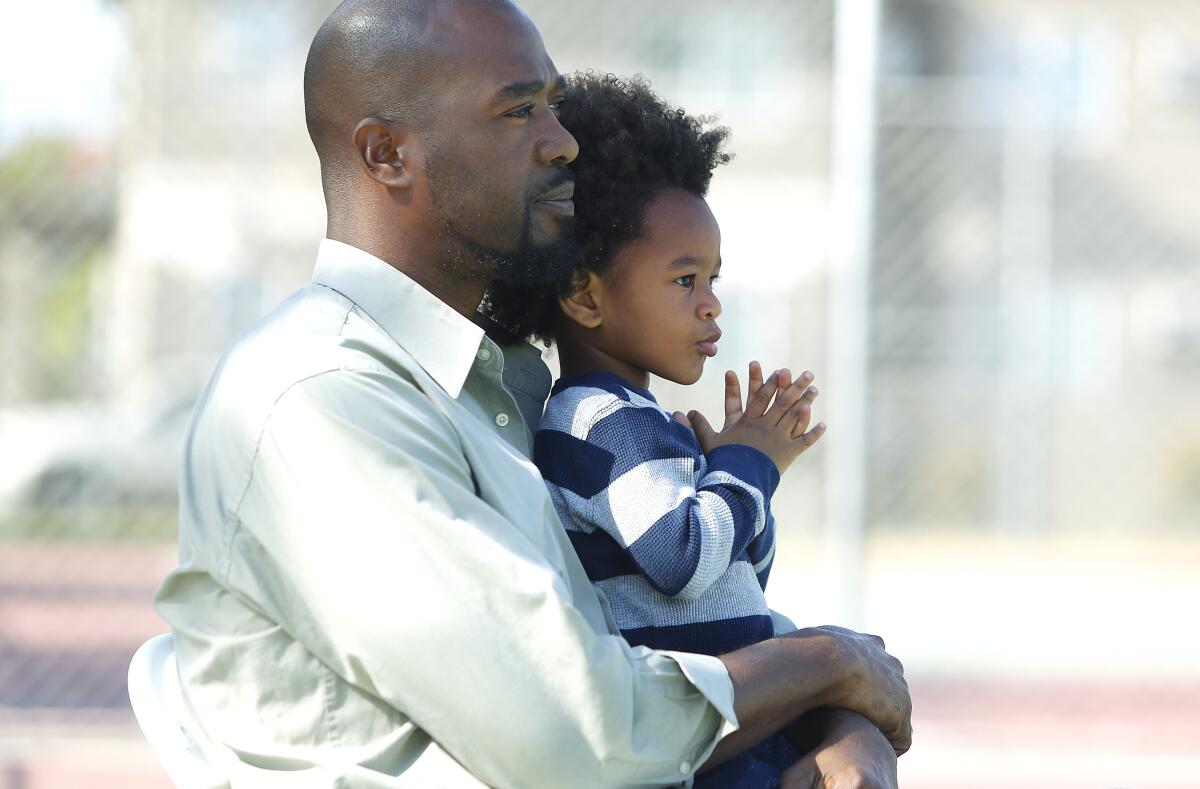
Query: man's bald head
point(373, 58)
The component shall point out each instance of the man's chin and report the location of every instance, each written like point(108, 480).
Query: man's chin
point(537, 265)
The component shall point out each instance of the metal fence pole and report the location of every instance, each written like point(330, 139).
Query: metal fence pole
point(854, 118)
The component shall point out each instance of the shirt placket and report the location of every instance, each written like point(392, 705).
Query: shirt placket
point(500, 406)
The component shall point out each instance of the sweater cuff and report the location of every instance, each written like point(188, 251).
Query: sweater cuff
point(747, 464)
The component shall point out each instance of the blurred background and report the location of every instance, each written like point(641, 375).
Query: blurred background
point(978, 222)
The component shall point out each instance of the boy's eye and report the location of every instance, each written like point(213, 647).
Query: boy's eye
point(713, 279)
point(686, 281)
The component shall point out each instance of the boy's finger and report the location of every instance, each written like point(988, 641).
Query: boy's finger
point(703, 430)
point(754, 380)
point(797, 417)
point(812, 436)
point(789, 396)
point(733, 397)
point(682, 419)
point(756, 404)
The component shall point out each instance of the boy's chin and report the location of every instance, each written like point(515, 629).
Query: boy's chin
point(684, 379)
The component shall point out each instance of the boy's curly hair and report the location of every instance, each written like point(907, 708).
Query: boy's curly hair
point(631, 147)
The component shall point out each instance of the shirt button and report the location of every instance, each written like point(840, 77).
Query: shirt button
point(501, 419)
point(483, 354)
point(685, 768)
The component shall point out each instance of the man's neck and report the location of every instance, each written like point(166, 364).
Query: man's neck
point(432, 269)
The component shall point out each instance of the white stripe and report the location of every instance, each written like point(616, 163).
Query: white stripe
point(725, 478)
point(575, 410)
point(716, 522)
point(639, 497)
point(635, 603)
point(571, 509)
point(591, 409)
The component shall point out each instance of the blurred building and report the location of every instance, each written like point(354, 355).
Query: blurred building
point(1033, 351)
point(219, 207)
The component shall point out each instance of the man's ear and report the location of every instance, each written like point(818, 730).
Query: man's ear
point(381, 149)
point(583, 304)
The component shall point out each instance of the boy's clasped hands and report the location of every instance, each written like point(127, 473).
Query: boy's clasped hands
point(774, 420)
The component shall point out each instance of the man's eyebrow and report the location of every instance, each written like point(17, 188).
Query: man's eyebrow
point(528, 87)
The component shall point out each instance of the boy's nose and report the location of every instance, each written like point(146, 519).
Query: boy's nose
point(711, 309)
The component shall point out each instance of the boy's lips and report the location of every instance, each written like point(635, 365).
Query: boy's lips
point(708, 346)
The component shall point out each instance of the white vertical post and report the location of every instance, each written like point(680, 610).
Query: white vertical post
point(1023, 425)
point(854, 117)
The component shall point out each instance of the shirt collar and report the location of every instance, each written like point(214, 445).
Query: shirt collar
point(442, 341)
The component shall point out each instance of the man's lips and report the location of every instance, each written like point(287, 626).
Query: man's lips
point(708, 346)
point(560, 200)
point(561, 192)
point(563, 207)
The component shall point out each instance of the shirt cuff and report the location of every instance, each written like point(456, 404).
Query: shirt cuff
point(710, 677)
point(747, 464)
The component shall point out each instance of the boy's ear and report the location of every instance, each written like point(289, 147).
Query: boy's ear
point(582, 305)
point(382, 150)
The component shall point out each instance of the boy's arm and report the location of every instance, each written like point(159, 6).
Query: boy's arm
point(761, 552)
point(635, 477)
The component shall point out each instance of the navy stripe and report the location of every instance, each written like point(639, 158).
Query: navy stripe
point(747, 464)
point(568, 462)
point(601, 555)
point(669, 552)
point(760, 546)
point(636, 435)
point(705, 638)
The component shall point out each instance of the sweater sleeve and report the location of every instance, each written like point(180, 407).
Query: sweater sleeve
point(638, 475)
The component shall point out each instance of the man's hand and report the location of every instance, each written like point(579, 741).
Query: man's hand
point(873, 684)
point(777, 681)
point(853, 754)
point(774, 420)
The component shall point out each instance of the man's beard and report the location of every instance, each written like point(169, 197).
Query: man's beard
point(530, 265)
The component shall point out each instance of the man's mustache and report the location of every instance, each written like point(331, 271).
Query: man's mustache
point(560, 187)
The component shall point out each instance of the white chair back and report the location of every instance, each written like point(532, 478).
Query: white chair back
point(162, 715)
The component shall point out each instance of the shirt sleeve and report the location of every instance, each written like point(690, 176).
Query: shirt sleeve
point(761, 552)
point(372, 548)
point(636, 474)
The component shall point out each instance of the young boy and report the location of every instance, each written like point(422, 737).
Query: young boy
point(670, 517)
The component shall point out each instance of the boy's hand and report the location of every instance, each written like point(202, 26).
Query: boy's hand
point(774, 421)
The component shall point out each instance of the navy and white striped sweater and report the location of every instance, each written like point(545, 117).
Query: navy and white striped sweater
point(680, 543)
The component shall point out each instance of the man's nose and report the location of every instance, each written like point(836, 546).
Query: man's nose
point(559, 145)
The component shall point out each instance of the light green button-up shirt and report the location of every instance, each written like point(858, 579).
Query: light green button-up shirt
point(373, 586)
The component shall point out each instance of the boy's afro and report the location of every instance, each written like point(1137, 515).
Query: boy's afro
point(631, 147)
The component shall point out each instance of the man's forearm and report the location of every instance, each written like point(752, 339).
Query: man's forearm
point(777, 681)
point(774, 683)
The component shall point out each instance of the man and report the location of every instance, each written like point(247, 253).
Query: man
point(373, 588)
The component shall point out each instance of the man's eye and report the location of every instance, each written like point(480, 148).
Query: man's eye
point(521, 112)
point(557, 104)
point(714, 279)
point(686, 280)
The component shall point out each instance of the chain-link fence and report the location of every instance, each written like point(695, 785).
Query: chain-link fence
point(1032, 352)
